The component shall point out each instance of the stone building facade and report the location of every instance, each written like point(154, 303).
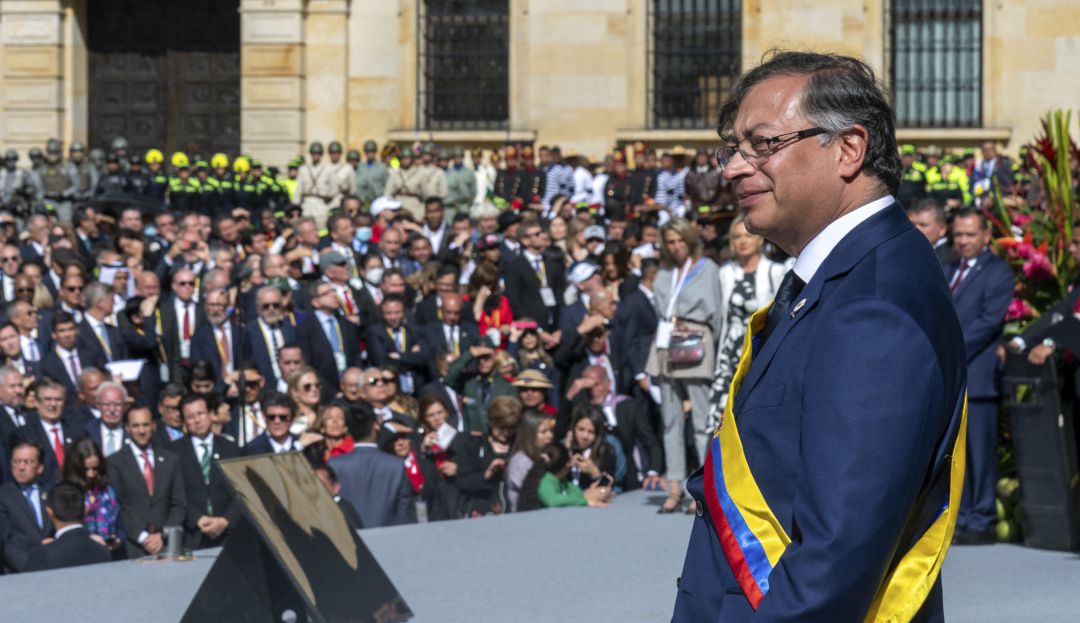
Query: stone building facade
point(578, 72)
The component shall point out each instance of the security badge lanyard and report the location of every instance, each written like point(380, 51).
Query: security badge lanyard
point(667, 324)
point(546, 293)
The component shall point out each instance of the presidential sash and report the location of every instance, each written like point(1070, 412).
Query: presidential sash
point(753, 539)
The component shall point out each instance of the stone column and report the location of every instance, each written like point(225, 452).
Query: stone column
point(272, 79)
point(31, 92)
point(326, 56)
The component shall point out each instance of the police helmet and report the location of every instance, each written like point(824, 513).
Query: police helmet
point(219, 161)
point(53, 146)
point(35, 152)
point(154, 156)
point(11, 154)
point(76, 147)
point(180, 160)
point(352, 155)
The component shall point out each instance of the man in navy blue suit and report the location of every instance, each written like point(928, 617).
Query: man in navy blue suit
point(982, 286)
point(844, 424)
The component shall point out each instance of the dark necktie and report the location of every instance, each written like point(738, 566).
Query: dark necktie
point(789, 288)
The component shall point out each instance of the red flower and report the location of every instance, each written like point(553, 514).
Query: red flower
point(1019, 309)
point(1038, 266)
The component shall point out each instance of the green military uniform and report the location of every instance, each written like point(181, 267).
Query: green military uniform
point(371, 176)
point(408, 185)
point(460, 184)
point(477, 392)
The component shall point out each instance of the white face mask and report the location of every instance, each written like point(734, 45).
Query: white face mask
point(373, 276)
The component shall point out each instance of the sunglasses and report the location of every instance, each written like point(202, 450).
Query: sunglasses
point(185, 284)
point(389, 379)
point(7, 223)
point(14, 258)
point(270, 306)
point(24, 289)
point(270, 417)
point(253, 382)
point(307, 387)
point(73, 288)
point(375, 381)
point(483, 357)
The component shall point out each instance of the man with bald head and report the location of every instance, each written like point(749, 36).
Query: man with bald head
point(450, 332)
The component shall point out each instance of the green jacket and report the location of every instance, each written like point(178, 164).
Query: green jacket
point(465, 380)
point(554, 492)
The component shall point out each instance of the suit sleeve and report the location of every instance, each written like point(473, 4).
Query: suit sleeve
point(177, 498)
point(866, 447)
point(984, 330)
point(376, 349)
point(405, 511)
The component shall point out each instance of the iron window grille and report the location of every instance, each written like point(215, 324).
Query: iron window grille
point(694, 55)
point(464, 64)
point(936, 62)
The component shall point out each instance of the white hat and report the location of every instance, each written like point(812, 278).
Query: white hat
point(384, 203)
point(595, 231)
point(582, 271)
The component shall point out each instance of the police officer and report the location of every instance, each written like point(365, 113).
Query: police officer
point(316, 186)
point(267, 191)
point(18, 187)
point(159, 181)
point(344, 176)
point(371, 175)
point(120, 148)
point(226, 181)
point(912, 180)
point(114, 181)
point(288, 182)
point(37, 160)
point(245, 185)
point(406, 185)
point(82, 172)
point(460, 182)
point(210, 197)
point(183, 189)
point(59, 188)
point(139, 181)
point(97, 160)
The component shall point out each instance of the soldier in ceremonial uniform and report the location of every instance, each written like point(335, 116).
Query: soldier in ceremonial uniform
point(619, 187)
point(643, 178)
point(371, 175)
point(83, 173)
point(443, 161)
point(183, 189)
point(433, 179)
point(406, 185)
point(316, 186)
point(344, 175)
point(353, 158)
point(485, 173)
point(159, 182)
point(58, 186)
point(460, 183)
point(912, 181)
point(532, 180)
point(508, 181)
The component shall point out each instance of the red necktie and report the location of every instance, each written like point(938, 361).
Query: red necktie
point(148, 473)
point(959, 276)
point(348, 303)
point(187, 322)
point(58, 446)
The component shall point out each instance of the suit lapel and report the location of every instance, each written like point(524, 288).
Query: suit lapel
point(872, 232)
point(972, 275)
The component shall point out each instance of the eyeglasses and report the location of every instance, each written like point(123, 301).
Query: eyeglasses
point(755, 150)
point(7, 223)
point(307, 387)
point(184, 284)
point(24, 290)
point(73, 288)
point(389, 379)
point(270, 306)
point(375, 381)
point(277, 417)
point(13, 258)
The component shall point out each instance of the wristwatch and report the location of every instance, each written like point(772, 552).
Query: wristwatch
point(1049, 343)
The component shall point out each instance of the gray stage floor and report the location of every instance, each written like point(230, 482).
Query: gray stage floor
point(614, 564)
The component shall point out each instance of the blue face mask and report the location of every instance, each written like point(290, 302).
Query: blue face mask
point(363, 234)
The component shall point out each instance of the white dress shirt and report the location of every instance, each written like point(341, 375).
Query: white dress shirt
point(30, 350)
point(180, 307)
point(435, 236)
point(289, 445)
point(817, 250)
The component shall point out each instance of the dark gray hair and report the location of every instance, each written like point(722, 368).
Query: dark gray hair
point(842, 92)
point(931, 204)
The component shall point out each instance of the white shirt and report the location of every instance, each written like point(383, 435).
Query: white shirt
point(138, 452)
point(65, 358)
point(118, 440)
point(278, 337)
point(288, 446)
point(180, 306)
point(817, 250)
point(17, 419)
point(253, 422)
point(9, 287)
point(452, 334)
point(48, 428)
point(29, 346)
point(435, 236)
point(62, 531)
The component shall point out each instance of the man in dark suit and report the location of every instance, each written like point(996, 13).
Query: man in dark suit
point(329, 342)
point(265, 337)
point(993, 168)
point(438, 232)
point(450, 333)
point(340, 232)
point(180, 316)
point(279, 411)
point(96, 336)
point(211, 509)
point(928, 216)
point(12, 416)
point(586, 277)
point(371, 480)
point(64, 362)
point(534, 284)
point(330, 480)
point(635, 323)
point(47, 429)
point(170, 426)
point(847, 416)
point(148, 483)
point(71, 301)
point(982, 288)
point(592, 344)
point(24, 524)
point(72, 546)
point(397, 343)
point(627, 418)
point(446, 282)
point(11, 349)
point(217, 339)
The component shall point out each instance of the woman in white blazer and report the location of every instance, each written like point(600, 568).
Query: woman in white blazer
point(748, 282)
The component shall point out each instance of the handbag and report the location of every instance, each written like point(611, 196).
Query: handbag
point(687, 347)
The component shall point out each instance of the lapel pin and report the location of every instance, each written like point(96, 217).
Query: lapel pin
point(798, 306)
point(216, 456)
point(161, 459)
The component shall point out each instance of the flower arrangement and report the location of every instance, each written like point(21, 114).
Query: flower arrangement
point(1034, 236)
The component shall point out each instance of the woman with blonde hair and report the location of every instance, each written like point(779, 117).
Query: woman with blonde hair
point(748, 281)
point(683, 354)
point(304, 388)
